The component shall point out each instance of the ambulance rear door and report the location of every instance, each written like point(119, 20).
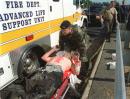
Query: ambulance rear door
point(69, 9)
point(56, 17)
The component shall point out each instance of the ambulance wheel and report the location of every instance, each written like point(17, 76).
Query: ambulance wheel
point(29, 62)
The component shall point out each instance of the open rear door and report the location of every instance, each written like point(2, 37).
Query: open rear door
point(56, 17)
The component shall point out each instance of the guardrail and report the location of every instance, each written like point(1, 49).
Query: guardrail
point(120, 91)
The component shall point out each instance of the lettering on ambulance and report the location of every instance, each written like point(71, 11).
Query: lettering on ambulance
point(18, 19)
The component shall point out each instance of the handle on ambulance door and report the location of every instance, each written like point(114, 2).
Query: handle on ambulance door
point(50, 8)
point(1, 71)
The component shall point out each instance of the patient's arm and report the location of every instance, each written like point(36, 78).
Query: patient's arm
point(76, 65)
point(46, 57)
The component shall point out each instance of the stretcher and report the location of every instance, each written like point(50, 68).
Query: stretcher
point(69, 81)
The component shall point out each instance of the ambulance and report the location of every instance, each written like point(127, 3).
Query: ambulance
point(27, 29)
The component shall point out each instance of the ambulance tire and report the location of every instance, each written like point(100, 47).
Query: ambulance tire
point(28, 64)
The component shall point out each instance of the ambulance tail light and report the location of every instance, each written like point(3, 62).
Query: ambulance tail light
point(29, 37)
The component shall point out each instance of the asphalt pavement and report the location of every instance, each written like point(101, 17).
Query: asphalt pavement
point(103, 82)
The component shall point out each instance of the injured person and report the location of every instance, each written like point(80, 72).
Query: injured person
point(52, 76)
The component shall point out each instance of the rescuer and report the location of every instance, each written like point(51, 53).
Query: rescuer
point(70, 39)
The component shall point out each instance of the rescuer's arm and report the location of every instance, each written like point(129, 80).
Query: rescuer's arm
point(76, 64)
point(76, 68)
point(46, 57)
point(61, 43)
point(81, 47)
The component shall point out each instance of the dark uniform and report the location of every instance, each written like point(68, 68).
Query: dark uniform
point(74, 42)
point(127, 35)
point(128, 22)
point(108, 19)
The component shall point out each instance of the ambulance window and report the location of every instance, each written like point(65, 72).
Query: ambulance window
point(76, 2)
point(56, 0)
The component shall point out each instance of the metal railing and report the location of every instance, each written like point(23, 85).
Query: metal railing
point(120, 91)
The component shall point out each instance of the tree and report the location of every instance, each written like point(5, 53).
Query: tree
point(86, 3)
